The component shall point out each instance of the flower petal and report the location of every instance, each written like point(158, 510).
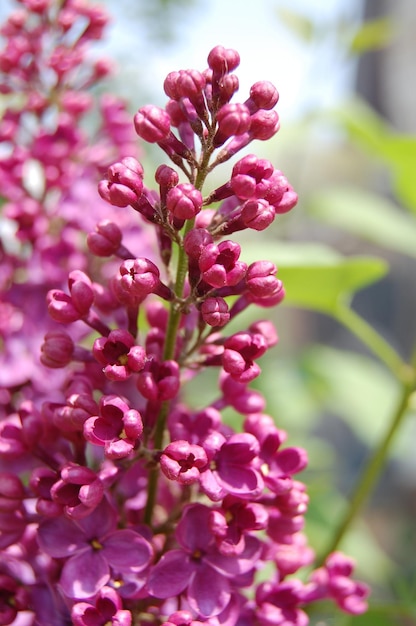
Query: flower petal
point(209, 592)
point(127, 550)
point(59, 537)
point(193, 531)
point(171, 575)
point(84, 574)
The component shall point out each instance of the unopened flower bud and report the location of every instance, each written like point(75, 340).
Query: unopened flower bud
point(152, 123)
point(106, 239)
point(264, 124)
point(57, 349)
point(222, 60)
point(215, 312)
point(263, 95)
point(257, 214)
point(233, 119)
point(182, 461)
point(184, 201)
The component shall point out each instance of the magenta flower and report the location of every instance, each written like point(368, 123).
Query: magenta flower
point(333, 580)
point(117, 427)
point(93, 547)
point(240, 350)
point(197, 569)
point(182, 461)
point(140, 277)
point(233, 466)
point(220, 266)
point(214, 312)
point(159, 381)
point(278, 604)
point(119, 355)
point(233, 521)
point(107, 610)
point(78, 490)
point(184, 202)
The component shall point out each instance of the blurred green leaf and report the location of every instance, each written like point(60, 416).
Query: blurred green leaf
point(366, 215)
point(372, 35)
point(334, 373)
point(297, 23)
point(397, 150)
point(317, 277)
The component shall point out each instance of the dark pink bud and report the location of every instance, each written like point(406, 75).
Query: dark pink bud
point(251, 165)
point(106, 239)
point(82, 293)
point(222, 60)
point(57, 349)
point(160, 382)
point(184, 201)
point(195, 241)
point(227, 87)
point(128, 172)
point(119, 355)
point(219, 264)
point(140, 277)
point(166, 176)
point(240, 350)
point(267, 329)
point(264, 124)
point(61, 308)
point(257, 214)
point(243, 186)
point(152, 123)
point(288, 201)
point(233, 119)
point(11, 492)
point(263, 95)
point(116, 194)
point(261, 279)
point(182, 461)
point(215, 312)
point(190, 85)
point(170, 85)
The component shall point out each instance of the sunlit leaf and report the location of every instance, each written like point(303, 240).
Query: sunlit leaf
point(397, 150)
point(317, 277)
point(372, 35)
point(297, 23)
point(334, 373)
point(367, 215)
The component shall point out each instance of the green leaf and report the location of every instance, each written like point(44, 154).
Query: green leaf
point(372, 35)
point(317, 277)
point(297, 23)
point(397, 150)
point(366, 215)
point(332, 374)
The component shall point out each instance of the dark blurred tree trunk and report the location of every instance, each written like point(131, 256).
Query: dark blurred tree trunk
point(387, 78)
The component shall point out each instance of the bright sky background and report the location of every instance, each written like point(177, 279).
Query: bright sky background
point(306, 76)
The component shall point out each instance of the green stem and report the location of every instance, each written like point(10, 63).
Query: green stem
point(170, 342)
point(168, 354)
point(373, 468)
point(375, 342)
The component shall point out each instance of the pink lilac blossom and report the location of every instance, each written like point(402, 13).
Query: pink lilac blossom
point(120, 502)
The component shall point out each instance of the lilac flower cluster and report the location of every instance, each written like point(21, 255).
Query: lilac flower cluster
point(119, 503)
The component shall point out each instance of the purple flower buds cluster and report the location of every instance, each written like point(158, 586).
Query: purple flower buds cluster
point(127, 499)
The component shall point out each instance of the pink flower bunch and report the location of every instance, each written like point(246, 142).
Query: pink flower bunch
point(120, 503)
point(50, 166)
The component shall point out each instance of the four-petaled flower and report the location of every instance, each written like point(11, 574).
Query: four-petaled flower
point(197, 568)
point(93, 547)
